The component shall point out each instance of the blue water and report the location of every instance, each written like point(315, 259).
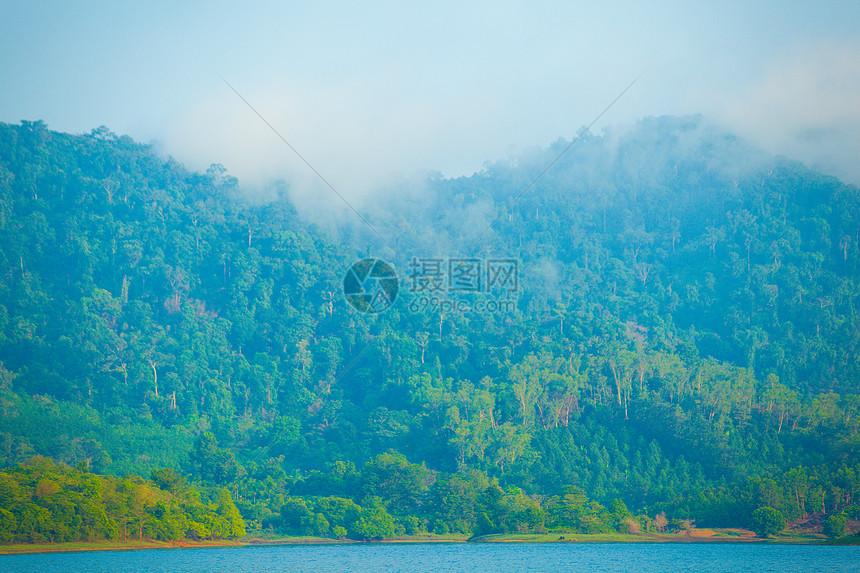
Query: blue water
point(592, 557)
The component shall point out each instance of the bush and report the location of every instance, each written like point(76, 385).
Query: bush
point(375, 522)
point(630, 525)
point(411, 524)
point(834, 525)
point(767, 521)
point(440, 527)
point(339, 531)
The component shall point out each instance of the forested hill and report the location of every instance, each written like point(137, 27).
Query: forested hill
point(683, 336)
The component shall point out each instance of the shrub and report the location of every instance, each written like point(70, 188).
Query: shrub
point(834, 525)
point(767, 521)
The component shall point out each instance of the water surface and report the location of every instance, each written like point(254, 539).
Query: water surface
point(590, 557)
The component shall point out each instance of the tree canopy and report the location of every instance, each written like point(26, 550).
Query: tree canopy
point(682, 339)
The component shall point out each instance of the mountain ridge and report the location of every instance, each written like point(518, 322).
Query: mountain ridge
point(678, 301)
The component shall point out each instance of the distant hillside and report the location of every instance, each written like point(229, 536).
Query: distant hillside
point(681, 334)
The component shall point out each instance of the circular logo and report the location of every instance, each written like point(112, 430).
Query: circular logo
point(370, 286)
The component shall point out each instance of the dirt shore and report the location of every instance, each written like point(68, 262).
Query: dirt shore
point(127, 545)
point(728, 535)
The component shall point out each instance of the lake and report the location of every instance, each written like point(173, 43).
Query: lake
point(590, 557)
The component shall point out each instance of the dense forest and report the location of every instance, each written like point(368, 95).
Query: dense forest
point(681, 344)
point(42, 502)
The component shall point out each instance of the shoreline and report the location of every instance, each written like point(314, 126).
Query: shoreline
point(134, 545)
point(125, 545)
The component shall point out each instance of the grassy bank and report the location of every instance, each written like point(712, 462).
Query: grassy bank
point(111, 546)
point(608, 538)
point(559, 538)
point(695, 536)
point(260, 538)
point(255, 538)
point(847, 540)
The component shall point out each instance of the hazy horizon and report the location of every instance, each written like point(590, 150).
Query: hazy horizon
point(367, 93)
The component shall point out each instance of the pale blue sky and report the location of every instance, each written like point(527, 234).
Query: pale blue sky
point(366, 89)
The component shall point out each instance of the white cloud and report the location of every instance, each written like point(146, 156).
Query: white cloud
point(807, 106)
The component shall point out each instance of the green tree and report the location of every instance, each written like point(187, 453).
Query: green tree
point(767, 521)
point(339, 512)
point(374, 522)
point(215, 464)
point(233, 525)
point(169, 480)
point(833, 526)
point(296, 517)
point(401, 485)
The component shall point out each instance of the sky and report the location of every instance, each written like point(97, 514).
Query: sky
point(371, 91)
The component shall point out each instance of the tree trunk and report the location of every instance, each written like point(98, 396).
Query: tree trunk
point(155, 376)
point(617, 381)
